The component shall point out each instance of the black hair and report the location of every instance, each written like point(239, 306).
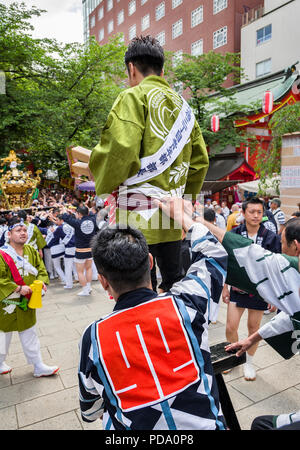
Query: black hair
point(14, 220)
point(296, 214)
point(146, 54)
point(84, 210)
point(22, 214)
point(209, 215)
point(122, 256)
point(292, 230)
point(252, 201)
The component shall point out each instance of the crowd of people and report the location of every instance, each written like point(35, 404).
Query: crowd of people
point(60, 226)
point(62, 222)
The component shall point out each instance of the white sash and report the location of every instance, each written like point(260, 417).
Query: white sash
point(69, 232)
point(19, 261)
point(154, 165)
point(30, 229)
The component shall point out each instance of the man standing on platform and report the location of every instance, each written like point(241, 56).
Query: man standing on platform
point(151, 147)
point(20, 266)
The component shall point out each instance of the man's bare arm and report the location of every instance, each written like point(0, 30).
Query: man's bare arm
point(219, 233)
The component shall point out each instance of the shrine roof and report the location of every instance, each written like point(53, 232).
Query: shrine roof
point(252, 92)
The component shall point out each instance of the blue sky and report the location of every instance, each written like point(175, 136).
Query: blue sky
point(62, 21)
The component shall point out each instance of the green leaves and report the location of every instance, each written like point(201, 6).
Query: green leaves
point(204, 78)
point(56, 94)
point(268, 162)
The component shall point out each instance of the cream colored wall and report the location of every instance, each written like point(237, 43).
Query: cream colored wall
point(273, 4)
point(283, 48)
point(290, 173)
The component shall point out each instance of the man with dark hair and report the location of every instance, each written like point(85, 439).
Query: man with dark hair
point(85, 227)
point(151, 146)
point(238, 300)
point(147, 365)
point(147, 55)
point(209, 215)
point(35, 237)
point(296, 214)
point(20, 266)
point(275, 278)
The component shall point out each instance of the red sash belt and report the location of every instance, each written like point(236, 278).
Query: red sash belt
point(14, 271)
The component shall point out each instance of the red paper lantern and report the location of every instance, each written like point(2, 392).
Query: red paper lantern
point(267, 104)
point(215, 123)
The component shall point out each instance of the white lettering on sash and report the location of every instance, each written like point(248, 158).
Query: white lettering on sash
point(154, 165)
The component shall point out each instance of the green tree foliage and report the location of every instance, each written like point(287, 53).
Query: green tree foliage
point(204, 78)
point(268, 163)
point(55, 94)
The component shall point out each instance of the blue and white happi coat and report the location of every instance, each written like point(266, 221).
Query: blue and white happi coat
point(147, 365)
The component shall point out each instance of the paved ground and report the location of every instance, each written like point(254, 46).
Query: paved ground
point(52, 403)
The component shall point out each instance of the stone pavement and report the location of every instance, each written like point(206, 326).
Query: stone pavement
point(51, 403)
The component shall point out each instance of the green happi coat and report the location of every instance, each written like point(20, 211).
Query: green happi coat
point(35, 237)
point(139, 127)
point(14, 318)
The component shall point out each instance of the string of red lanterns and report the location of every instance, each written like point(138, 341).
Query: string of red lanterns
point(268, 102)
point(267, 108)
point(215, 123)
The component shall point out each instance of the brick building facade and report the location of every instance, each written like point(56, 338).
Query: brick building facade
point(188, 26)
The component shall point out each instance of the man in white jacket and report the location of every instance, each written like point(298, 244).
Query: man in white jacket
point(276, 278)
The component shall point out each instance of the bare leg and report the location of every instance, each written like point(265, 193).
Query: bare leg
point(254, 320)
point(234, 314)
point(88, 266)
point(81, 274)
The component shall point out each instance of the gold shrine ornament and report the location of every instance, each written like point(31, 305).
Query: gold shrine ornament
point(17, 186)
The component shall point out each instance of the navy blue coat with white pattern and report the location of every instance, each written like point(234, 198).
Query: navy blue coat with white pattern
point(147, 365)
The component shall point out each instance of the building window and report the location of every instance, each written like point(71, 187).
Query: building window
point(121, 17)
point(131, 7)
point(263, 67)
point(132, 32)
point(176, 3)
point(145, 22)
point(110, 5)
point(143, 2)
point(197, 16)
point(177, 29)
point(263, 34)
point(160, 11)
point(161, 37)
point(220, 37)
point(197, 48)
point(219, 5)
point(110, 26)
point(93, 21)
point(100, 13)
point(101, 35)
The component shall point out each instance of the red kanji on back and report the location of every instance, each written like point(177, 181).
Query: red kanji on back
point(146, 353)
